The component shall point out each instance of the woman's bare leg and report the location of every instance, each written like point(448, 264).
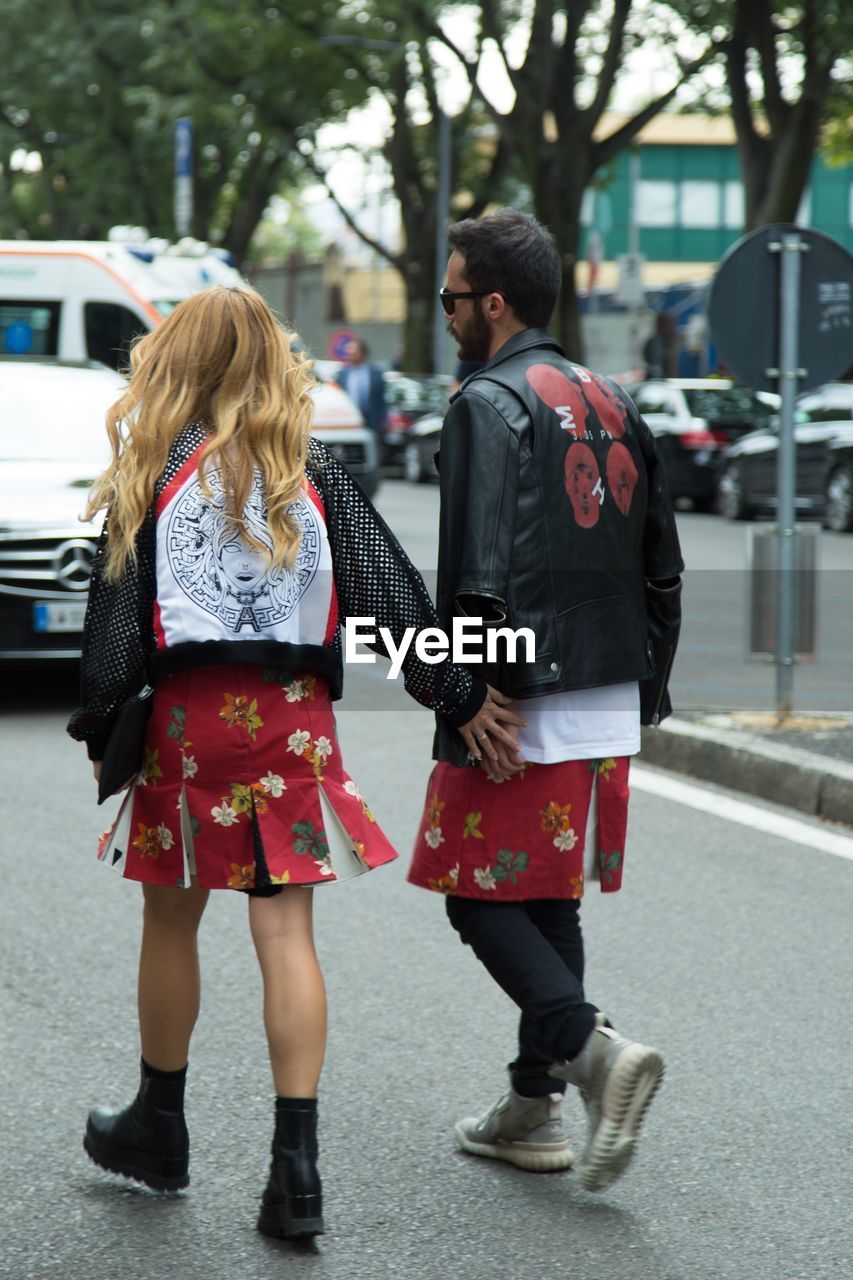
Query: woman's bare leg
point(294, 992)
point(169, 980)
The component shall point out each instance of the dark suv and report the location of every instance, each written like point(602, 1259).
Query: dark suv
point(823, 440)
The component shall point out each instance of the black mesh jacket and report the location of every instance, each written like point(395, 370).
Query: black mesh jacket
point(374, 578)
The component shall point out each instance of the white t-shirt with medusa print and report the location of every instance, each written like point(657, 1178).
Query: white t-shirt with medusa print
point(212, 584)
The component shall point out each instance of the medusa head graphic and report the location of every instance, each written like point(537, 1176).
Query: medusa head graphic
point(225, 574)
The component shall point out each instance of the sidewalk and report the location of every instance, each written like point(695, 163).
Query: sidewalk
point(807, 764)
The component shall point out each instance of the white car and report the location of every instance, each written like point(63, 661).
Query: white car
point(340, 426)
point(695, 421)
point(87, 300)
point(52, 446)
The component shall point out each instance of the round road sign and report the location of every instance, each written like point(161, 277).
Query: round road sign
point(743, 308)
point(338, 344)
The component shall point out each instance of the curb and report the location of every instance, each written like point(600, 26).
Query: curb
point(786, 775)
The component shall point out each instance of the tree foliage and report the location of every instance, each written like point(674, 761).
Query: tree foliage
point(93, 90)
point(785, 80)
point(562, 85)
point(788, 76)
point(388, 48)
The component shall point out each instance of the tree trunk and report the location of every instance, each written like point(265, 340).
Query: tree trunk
point(258, 190)
point(418, 268)
point(776, 163)
point(417, 339)
point(788, 172)
point(568, 316)
point(558, 202)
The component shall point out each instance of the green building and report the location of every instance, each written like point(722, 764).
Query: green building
point(689, 202)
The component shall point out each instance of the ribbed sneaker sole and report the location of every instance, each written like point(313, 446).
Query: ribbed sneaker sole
point(535, 1157)
point(160, 1173)
point(632, 1084)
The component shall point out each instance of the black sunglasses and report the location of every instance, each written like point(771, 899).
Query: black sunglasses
point(448, 297)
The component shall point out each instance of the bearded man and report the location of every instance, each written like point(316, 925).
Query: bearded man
point(555, 516)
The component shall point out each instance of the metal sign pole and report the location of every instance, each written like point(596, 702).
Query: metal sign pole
point(439, 336)
point(183, 188)
point(789, 373)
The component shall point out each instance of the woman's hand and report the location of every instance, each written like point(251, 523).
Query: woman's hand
point(96, 769)
point(505, 764)
point(493, 729)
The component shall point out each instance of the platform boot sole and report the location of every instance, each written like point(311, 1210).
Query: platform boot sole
point(299, 1216)
point(160, 1173)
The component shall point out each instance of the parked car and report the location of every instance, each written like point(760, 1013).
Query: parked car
point(823, 438)
point(695, 422)
point(52, 446)
point(409, 397)
point(340, 426)
point(420, 448)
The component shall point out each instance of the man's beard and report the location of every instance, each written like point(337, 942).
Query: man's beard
point(474, 343)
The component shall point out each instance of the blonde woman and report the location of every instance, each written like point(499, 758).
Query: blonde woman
point(233, 544)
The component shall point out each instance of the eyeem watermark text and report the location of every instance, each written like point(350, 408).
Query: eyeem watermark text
point(433, 646)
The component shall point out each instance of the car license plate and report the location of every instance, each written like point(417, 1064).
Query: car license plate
point(50, 615)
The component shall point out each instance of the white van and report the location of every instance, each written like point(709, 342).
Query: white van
point(87, 300)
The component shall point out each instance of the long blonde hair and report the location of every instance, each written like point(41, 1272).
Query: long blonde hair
point(222, 358)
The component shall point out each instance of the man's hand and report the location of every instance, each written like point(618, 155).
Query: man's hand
point(494, 728)
point(504, 766)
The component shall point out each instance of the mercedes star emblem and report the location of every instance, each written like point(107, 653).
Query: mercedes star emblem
point(72, 564)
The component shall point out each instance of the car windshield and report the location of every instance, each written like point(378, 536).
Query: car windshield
point(729, 404)
point(53, 414)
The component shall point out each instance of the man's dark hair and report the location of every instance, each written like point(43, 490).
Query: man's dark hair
point(513, 254)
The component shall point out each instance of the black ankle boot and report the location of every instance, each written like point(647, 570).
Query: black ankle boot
point(293, 1199)
point(148, 1141)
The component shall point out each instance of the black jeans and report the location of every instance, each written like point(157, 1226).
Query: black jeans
point(534, 951)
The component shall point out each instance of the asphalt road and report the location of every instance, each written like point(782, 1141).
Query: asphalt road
point(729, 948)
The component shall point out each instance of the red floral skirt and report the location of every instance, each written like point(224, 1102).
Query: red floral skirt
point(242, 786)
point(523, 838)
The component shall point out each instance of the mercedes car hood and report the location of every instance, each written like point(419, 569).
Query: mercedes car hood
point(47, 495)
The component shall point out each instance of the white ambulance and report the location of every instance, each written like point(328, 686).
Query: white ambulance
point(87, 300)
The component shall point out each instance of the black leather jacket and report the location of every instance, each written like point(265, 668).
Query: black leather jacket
point(555, 516)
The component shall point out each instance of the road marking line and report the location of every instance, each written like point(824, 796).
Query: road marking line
point(748, 815)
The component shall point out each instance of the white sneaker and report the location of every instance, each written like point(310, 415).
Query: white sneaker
point(618, 1079)
point(526, 1132)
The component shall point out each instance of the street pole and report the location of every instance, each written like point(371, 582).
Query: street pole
point(790, 247)
point(182, 146)
point(442, 196)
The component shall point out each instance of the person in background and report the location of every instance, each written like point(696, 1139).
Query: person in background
point(554, 517)
point(233, 544)
point(364, 384)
